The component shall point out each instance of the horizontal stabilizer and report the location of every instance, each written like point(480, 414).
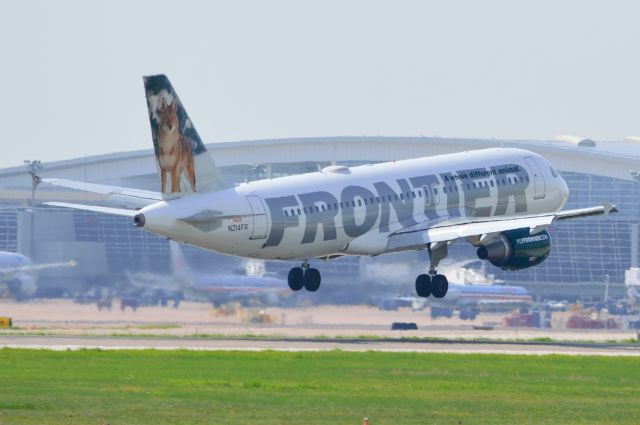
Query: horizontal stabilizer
point(94, 208)
point(137, 197)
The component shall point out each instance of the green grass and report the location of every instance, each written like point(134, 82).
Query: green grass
point(187, 387)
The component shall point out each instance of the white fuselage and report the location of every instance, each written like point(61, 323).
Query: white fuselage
point(342, 210)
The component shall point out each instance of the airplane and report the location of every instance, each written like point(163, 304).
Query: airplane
point(500, 200)
point(18, 274)
point(183, 282)
point(249, 280)
point(470, 291)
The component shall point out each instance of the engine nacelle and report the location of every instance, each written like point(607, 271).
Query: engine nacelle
point(517, 249)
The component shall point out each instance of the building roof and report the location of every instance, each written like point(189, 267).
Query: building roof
point(612, 159)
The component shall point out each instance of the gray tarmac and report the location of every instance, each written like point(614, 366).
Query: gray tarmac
point(61, 343)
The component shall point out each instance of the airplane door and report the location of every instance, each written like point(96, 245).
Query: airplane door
point(260, 224)
point(538, 178)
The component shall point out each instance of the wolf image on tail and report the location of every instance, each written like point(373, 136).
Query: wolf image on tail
point(181, 156)
point(174, 149)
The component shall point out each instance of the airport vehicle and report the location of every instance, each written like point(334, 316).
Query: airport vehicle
point(471, 299)
point(18, 274)
point(499, 200)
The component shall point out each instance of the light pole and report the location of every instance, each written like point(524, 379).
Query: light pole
point(33, 166)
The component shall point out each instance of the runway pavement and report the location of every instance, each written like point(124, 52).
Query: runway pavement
point(303, 344)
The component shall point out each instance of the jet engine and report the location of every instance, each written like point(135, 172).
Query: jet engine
point(517, 249)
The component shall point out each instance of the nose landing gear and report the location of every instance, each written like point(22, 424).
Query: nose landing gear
point(304, 277)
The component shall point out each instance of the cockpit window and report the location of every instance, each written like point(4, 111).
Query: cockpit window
point(554, 173)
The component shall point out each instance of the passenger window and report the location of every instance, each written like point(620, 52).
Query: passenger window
point(299, 211)
point(491, 183)
point(359, 202)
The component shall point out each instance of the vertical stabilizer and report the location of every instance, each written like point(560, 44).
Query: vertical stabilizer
point(183, 162)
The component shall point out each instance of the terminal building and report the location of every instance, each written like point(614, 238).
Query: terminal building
point(589, 256)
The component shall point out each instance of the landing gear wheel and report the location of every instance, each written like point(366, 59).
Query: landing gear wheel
point(423, 285)
point(312, 280)
point(439, 286)
point(296, 278)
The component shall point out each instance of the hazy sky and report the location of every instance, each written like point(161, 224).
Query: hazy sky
point(71, 70)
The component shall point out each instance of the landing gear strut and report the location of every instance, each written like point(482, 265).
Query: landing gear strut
point(304, 277)
point(433, 283)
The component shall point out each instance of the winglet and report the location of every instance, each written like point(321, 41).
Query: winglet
point(608, 208)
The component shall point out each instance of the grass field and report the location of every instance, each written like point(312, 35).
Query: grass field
point(186, 387)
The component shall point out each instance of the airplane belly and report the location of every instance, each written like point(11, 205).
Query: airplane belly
point(292, 247)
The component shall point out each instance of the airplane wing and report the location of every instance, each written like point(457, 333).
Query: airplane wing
point(134, 197)
point(426, 232)
point(36, 267)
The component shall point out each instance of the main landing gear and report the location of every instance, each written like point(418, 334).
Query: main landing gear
point(433, 283)
point(304, 277)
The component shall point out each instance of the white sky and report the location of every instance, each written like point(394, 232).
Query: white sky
point(71, 70)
